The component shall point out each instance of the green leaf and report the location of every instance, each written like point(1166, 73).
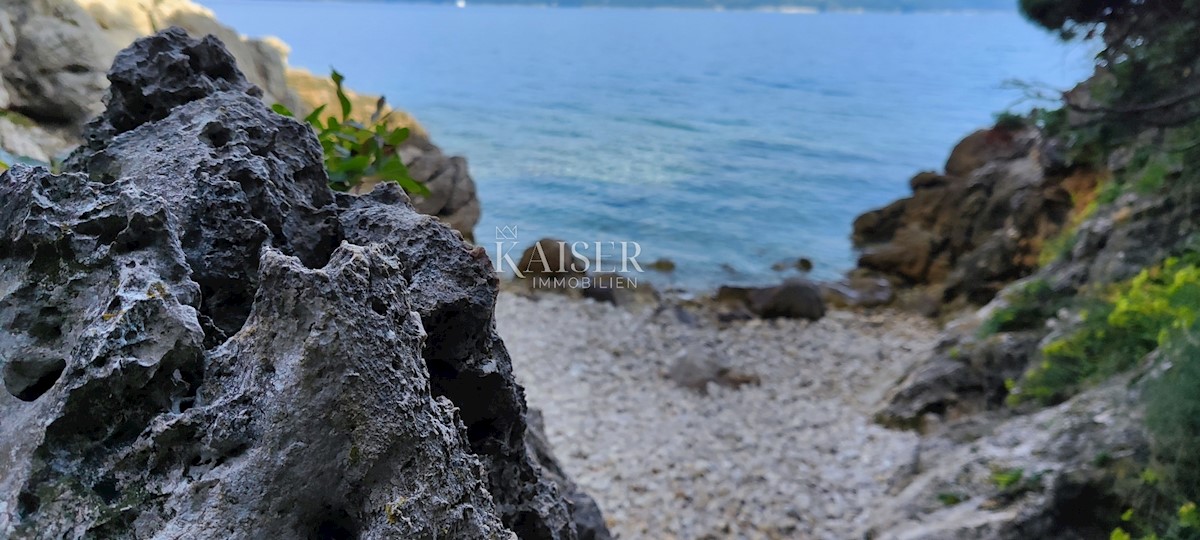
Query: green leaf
point(1189, 517)
point(412, 186)
point(397, 136)
point(343, 100)
point(1119, 534)
point(393, 167)
point(314, 117)
point(280, 109)
point(355, 165)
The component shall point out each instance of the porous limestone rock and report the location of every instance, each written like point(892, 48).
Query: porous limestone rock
point(199, 339)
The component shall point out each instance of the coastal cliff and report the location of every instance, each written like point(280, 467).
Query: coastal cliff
point(54, 55)
point(1032, 406)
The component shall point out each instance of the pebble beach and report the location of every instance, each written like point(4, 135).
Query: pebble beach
point(789, 453)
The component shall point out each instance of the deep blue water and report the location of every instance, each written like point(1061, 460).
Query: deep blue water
point(725, 141)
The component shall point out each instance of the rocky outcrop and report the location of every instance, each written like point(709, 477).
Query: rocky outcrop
point(54, 55)
point(967, 233)
point(1045, 475)
point(968, 372)
point(198, 338)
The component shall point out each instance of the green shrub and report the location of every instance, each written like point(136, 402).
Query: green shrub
point(1058, 246)
point(1052, 122)
point(357, 153)
point(1173, 418)
point(1028, 307)
point(1121, 328)
point(1007, 121)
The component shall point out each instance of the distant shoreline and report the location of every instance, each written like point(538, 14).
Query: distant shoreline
point(777, 9)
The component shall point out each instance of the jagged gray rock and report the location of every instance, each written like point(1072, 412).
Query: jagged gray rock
point(1058, 466)
point(199, 339)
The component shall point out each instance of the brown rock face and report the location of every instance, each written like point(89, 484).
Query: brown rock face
point(975, 228)
point(981, 147)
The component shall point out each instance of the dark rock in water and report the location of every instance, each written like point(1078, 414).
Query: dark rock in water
point(802, 264)
point(549, 263)
point(663, 265)
point(794, 299)
point(199, 339)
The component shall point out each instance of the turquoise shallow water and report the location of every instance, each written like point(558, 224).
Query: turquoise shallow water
point(725, 141)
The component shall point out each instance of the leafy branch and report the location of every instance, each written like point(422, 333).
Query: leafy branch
point(358, 154)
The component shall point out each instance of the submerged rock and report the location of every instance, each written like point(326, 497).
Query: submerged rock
point(199, 339)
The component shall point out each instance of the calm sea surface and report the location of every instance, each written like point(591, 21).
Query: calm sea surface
point(725, 141)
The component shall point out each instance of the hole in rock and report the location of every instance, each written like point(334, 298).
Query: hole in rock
point(107, 490)
point(226, 303)
point(216, 135)
point(27, 503)
point(1086, 511)
point(378, 306)
point(27, 379)
point(335, 526)
point(48, 326)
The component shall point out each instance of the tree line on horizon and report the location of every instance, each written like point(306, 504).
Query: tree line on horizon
point(819, 5)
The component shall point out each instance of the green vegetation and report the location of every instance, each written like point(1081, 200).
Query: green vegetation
point(1005, 479)
point(1173, 419)
point(950, 498)
point(1027, 308)
point(1058, 246)
point(358, 153)
point(1008, 121)
point(1121, 327)
point(1150, 60)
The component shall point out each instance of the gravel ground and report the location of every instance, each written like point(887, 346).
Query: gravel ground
point(795, 456)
